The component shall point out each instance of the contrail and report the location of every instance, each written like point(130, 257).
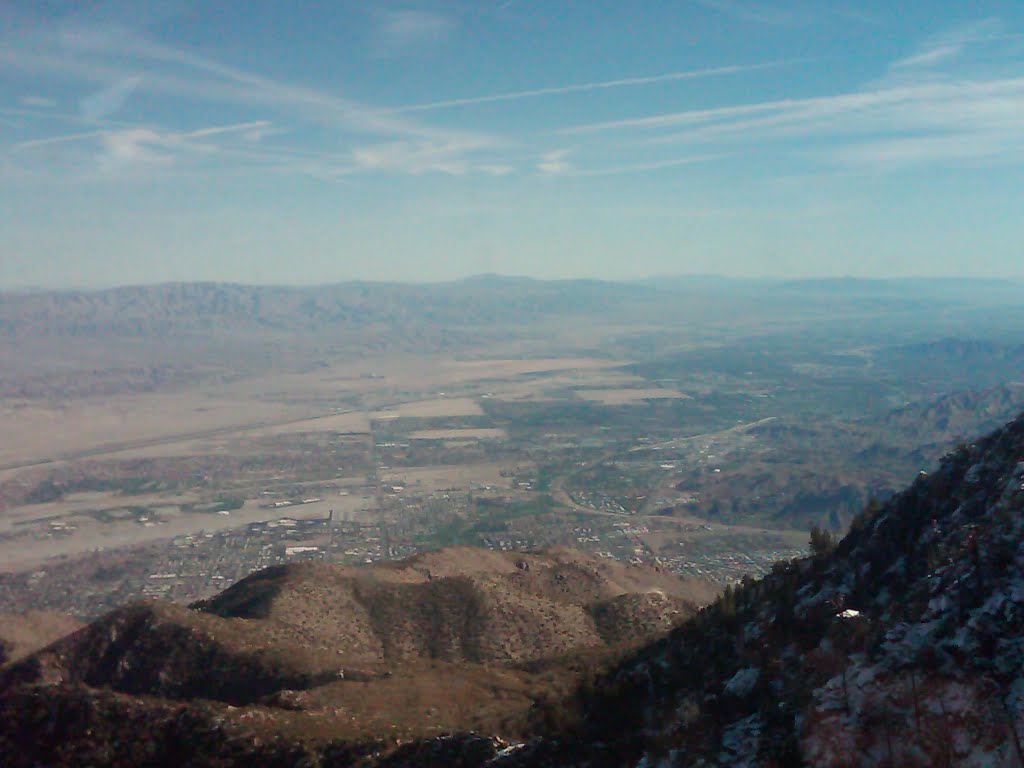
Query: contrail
point(582, 87)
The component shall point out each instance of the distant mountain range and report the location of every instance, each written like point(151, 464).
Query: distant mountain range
point(194, 308)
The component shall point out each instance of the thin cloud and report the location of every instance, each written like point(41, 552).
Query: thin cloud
point(110, 100)
point(251, 126)
point(409, 32)
point(134, 147)
point(54, 140)
point(970, 110)
point(674, 119)
point(102, 56)
point(756, 12)
point(39, 102)
point(554, 163)
point(895, 126)
point(559, 90)
point(930, 57)
point(497, 170)
point(112, 55)
point(452, 158)
point(115, 151)
point(864, 103)
point(905, 152)
point(214, 130)
point(950, 44)
point(658, 165)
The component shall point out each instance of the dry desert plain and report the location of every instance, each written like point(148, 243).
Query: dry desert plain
point(95, 438)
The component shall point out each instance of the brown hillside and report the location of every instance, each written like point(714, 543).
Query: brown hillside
point(24, 633)
point(456, 605)
point(456, 640)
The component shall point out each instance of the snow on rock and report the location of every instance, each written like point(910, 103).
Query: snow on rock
point(743, 682)
point(740, 743)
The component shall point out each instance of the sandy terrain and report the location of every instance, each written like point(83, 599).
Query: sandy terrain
point(501, 369)
point(627, 396)
point(458, 434)
point(425, 409)
point(352, 421)
point(236, 419)
point(423, 479)
point(29, 550)
point(39, 431)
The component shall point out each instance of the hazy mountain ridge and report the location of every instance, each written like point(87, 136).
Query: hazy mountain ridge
point(186, 309)
point(194, 308)
point(954, 363)
point(824, 472)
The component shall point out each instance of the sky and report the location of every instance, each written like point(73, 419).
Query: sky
point(266, 142)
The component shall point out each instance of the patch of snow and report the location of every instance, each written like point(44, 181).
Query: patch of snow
point(648, 762)
point(505, 752)
point(740, 743)
point(743, 682)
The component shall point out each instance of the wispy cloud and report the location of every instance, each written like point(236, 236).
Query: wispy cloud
point(452, 157)
point(948, 46)
point(554, 163)
point(54, 140)
point(788, 14)
point(657, 165)
point(909, 151)
point(109, 100)
point(930, 57)
point(758, 12)
point(134, 148)
point(110, 56)
point(989, 113)
point(38, 102)
point(924, 110)
point(117, 150)
point(559, 90)
point(409, 32)
point(251, 129)
point(124, 64)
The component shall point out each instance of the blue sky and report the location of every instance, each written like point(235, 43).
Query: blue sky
point(254, 141)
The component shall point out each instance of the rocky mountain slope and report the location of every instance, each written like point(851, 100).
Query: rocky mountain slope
point(902, 647)
point(312, 657)
point(824, 472)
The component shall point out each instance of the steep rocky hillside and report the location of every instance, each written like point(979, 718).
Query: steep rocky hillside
point(957, 414)
point(824, 472)
point(902, 647)
point(314, 655)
